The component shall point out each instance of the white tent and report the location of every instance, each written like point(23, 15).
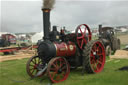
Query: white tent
point(37, 37)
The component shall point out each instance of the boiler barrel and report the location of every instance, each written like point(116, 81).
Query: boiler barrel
point(65, 49)
point(49, 49)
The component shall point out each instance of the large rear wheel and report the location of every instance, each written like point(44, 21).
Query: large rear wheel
point(94, 57)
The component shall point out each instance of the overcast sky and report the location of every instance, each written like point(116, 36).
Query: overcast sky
point(26, 15)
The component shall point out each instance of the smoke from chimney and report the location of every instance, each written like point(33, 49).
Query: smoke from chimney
point(48, 4)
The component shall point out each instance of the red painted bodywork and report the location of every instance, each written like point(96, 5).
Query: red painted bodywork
point(65, 49)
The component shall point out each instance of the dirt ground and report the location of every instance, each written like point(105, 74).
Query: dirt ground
point(120, 54)
point(124, 39)
point(19, 55)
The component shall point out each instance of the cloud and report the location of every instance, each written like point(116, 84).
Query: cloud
point(21, 16)
point(26, 16)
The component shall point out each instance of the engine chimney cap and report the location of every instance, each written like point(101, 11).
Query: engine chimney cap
point(46, 9)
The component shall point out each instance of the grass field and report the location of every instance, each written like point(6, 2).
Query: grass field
point(14, 73)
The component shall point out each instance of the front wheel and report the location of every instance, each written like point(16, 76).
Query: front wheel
point(94, 57)
point(33, 65)
point(58, 69)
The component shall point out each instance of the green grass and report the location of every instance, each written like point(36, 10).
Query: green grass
point(1, 53)
point(122, 46)
point(14, 73)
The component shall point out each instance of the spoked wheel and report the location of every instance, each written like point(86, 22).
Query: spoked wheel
point(83, 34)
point(58, 69)
point(94, 57)
point(108, 50)
point(33, 66)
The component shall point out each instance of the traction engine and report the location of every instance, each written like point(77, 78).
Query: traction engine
point(59, 52)
point(109, 39)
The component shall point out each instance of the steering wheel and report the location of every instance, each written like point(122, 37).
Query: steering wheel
point(83, 35)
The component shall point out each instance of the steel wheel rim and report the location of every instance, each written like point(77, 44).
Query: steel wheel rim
point(54, 67)
point(32, 65)
point(81, 39)
point(97, 57)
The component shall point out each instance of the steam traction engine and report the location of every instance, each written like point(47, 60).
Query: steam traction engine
point(109, 39)
point(59, 52)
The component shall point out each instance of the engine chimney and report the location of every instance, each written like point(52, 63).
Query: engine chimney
point(46, 23)
point(100, 28)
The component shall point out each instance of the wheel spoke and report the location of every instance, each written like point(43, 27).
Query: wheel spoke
point(85, 31)
point(33, 71)
point(58, 69)
point(54, 74)
point(99, 62)
point(81, 37)
point(92, 56)
point(95, 47)
point(55, 66)
point(31, 65)
point(97, 67)
point(78, 41)
point(63, 68)
point(92, 60)
point(92, 50)
point(94, 66)
point(33, 62)
point(98, 48)
point(99, 54)
point(82, 44)
point(84, 40)
point(53, 69)
point(81, 31)
point(39, 61)
point(60, 63)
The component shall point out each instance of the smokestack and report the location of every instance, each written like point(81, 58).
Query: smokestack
point(46, 23)
point(47, 6)
point(100, 27)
